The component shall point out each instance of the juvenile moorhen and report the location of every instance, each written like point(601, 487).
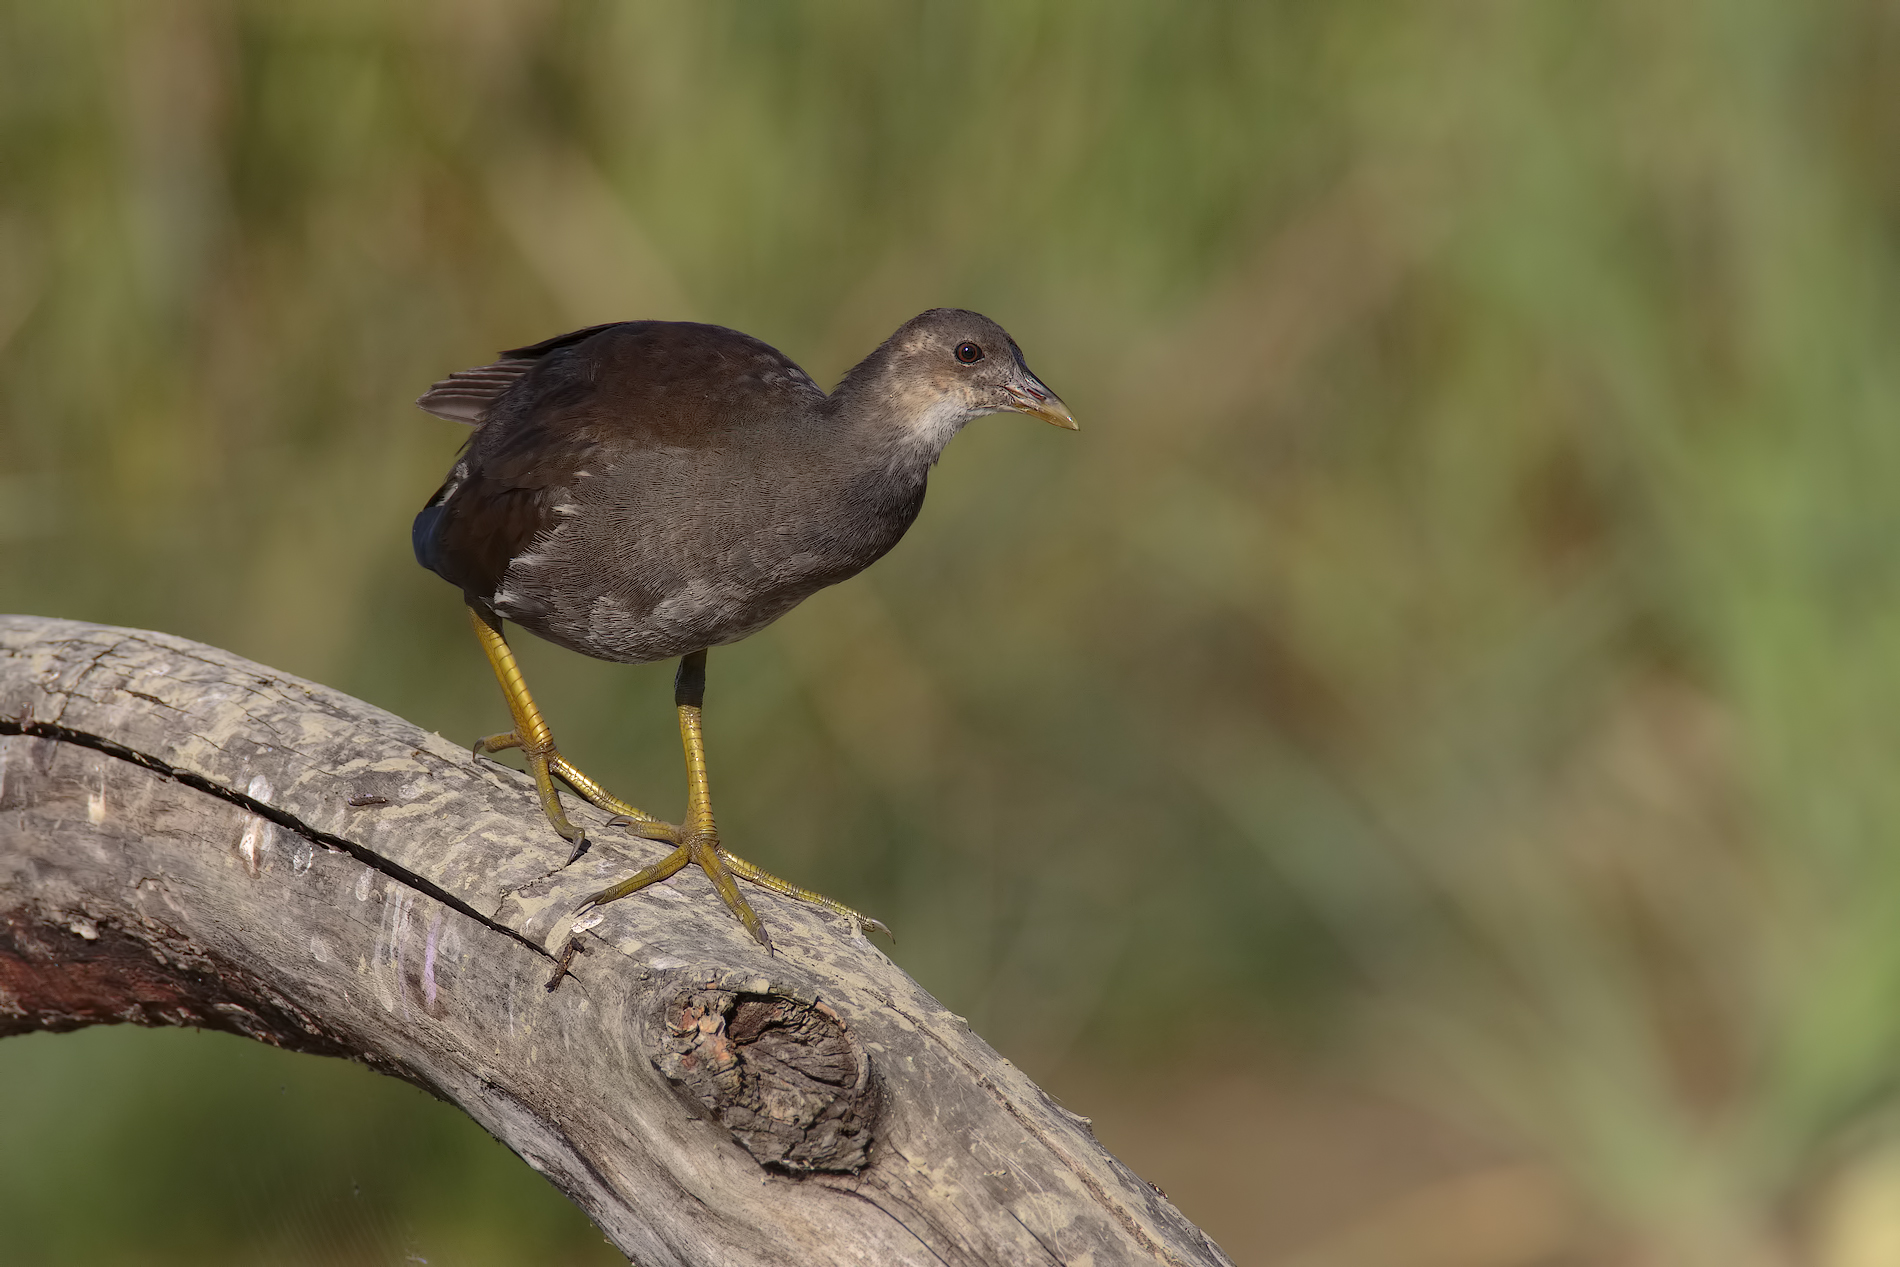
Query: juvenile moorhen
point(649, 489)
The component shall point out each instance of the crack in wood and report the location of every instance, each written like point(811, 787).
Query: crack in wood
point(198, 783)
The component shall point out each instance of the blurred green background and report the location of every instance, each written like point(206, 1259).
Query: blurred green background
point(1416, 768)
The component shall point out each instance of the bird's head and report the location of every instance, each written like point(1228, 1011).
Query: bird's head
point(945, 367)
point(963, 357)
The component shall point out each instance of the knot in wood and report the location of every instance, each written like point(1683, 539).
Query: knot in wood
point(781, 1074)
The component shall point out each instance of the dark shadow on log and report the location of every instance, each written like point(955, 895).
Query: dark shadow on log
point(188, 838)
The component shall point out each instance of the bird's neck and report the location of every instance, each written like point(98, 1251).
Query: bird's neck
point(899, 426)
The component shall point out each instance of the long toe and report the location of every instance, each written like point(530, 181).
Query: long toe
point(705, 850)
point(640, 879)
point(752, 874)
point(647, 828)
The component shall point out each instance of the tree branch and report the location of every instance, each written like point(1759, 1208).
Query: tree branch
point(188, 838)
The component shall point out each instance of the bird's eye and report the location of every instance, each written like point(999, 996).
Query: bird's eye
point(969, 353)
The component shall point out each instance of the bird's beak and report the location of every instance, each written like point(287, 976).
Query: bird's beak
point(1038, 401)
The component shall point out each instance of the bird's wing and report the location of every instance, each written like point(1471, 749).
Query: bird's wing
point(646, 409)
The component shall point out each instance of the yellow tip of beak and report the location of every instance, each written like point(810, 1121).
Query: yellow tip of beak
point(1055, 412)
point(1048, 408)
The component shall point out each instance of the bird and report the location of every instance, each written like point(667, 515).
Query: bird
point(646, 490)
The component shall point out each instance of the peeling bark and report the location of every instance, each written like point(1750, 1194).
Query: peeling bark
point(188, 838)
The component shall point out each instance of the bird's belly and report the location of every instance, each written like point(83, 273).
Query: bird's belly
point(661, 575)
point(689, 619)
point(637, 616)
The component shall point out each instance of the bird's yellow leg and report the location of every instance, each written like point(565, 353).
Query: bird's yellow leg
point(536, 741)
point(699, 836)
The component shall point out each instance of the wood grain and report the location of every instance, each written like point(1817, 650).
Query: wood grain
point(189, 838)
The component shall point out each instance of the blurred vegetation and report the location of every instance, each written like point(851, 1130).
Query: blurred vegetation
point(1463, 641)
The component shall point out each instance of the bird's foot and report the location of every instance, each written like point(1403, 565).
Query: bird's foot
point(541, 759)
point(766, 880)
point(635, 820)
point(720, 867)
point(546, 765)
point(701, 847)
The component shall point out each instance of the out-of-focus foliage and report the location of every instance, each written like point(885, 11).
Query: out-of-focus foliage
point(105, 1158)
point(1464, 637)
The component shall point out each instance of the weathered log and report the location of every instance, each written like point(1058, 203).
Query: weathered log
point(189, 838)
